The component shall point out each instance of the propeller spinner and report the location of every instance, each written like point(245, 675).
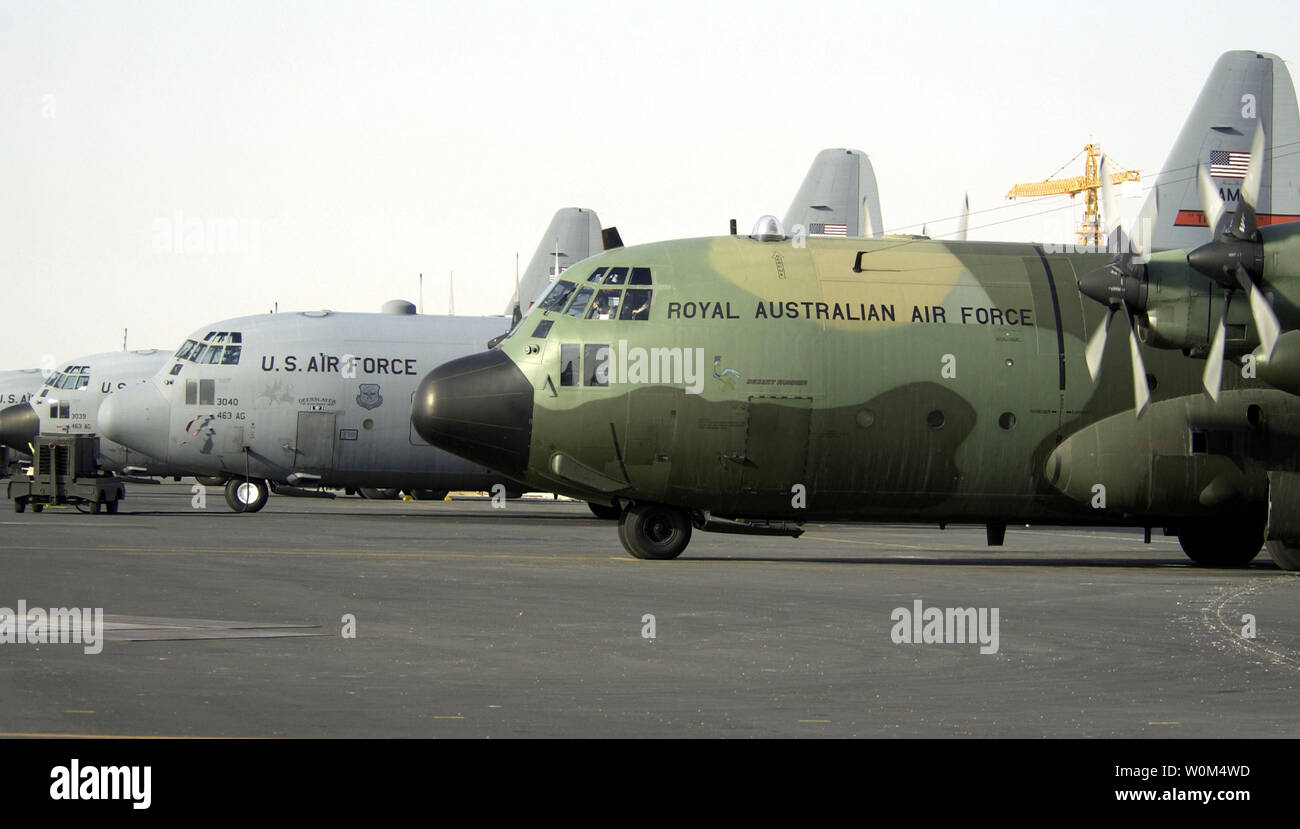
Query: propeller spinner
point(1235, 260)
point(1120, 283)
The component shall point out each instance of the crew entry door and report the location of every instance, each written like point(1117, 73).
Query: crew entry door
point(315, 444)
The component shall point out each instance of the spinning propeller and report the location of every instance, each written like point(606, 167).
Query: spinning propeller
point(1120, 283)
point(1235, 260)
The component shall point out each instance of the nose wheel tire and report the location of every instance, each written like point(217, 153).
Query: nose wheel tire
point(654, 531)
point(246, 495)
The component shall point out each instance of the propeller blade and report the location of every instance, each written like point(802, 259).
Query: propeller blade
point(1211, 203)
point(1254, 170)
point(1212, 379)
point(1097, 345)
point(1266, 323)
point(1141, 391)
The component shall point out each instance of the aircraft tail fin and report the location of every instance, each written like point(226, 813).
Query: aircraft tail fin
point(838, 197)
point(1245, 88)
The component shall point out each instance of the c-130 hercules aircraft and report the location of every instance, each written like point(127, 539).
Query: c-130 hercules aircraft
point(740, 384)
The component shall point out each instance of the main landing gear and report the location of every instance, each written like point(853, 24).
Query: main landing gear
point(1221, 543)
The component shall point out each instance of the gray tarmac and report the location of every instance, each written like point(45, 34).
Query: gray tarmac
point(530, 621)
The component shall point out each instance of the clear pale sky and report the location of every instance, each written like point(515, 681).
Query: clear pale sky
point(350, 146)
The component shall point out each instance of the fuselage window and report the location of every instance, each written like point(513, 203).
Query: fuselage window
point(606, 305)
point(595, 372)
point(637, 305)
point(580, 301)
point(568, 365)
point(558, 296)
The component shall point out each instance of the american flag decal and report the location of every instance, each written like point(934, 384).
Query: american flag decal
point(829, 229)
point(1228, 163)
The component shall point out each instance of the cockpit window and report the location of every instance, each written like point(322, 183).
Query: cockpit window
point(210, 352)
point(636, 305)
point(606, 305)
point(616, 276)
point(640, 276)
point(83, 380)
point(558, 296)
point(597, 275)
point(580, 301)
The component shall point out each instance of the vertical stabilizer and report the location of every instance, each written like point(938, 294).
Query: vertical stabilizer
point(838, 197)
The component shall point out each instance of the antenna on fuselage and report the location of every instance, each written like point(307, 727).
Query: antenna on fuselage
point(451, 293)
point(421, 297)
point(518, 313)
point(124, 330)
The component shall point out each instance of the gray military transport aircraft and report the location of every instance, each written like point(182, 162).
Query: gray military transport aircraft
point(67, 403)
point(748, 384)
point(319, 399)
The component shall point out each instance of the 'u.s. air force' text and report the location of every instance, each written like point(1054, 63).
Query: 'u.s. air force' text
point(852, 312)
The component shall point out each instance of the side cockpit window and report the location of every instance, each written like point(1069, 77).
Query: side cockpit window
point(556, 298)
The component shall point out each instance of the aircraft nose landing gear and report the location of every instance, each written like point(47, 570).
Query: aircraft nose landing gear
point(654, 531)
point(246, 495)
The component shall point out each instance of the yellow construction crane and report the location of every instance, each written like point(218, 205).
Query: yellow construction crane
point(1090, 232)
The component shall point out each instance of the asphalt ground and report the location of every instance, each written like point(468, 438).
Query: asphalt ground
point(353, 618)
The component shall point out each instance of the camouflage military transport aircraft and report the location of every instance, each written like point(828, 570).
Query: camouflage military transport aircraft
point(747, 384)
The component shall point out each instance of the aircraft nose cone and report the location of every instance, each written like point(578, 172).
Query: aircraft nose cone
point(137, 417)
point(19, 426)
point(479, 407)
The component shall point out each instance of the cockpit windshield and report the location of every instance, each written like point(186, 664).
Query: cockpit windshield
point(218, 348)
point(70, 379)
point(557, 296)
